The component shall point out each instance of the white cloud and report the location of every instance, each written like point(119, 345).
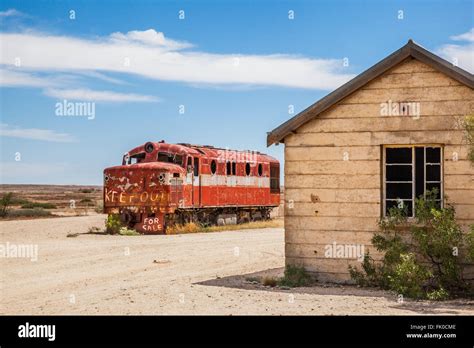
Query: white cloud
point(96, 96)
point(463, 55)
point(103, 77)
point(35, 134)
point(460, 54)
point(11, 78)
point(54, 86)
point(468, 36)
point(149, 37)
point(151, 55)
point(10, 13)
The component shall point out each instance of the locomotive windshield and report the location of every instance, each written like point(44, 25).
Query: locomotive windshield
point(137, 158)
point(170, 158)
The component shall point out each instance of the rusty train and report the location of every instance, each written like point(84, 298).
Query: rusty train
point(161, 184)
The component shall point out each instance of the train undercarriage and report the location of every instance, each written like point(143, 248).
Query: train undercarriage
point(204, 216)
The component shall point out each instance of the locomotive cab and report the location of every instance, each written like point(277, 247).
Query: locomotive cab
point(145, 187)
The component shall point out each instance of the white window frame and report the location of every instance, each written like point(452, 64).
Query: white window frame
point(413, 196)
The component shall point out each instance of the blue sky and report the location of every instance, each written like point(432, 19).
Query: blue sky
point(235, 66)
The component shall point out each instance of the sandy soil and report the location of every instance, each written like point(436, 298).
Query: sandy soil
point(179, 274)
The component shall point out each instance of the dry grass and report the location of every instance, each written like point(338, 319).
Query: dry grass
point(270, 281)
point(192, 227)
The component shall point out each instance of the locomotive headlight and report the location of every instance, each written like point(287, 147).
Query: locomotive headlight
point(162, 178)
point(106, 178)
point(149, 147)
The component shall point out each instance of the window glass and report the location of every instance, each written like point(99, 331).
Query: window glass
point(409, 173)
point(196, 166)
point(137, 158)
point(213, 167)
point(247, 169)
point(170, 158)
point(274, 178)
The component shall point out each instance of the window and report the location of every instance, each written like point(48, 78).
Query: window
point(234, 170)
point(137, 158)
point(190, 164)
point(260, 169)
point(196, 166)
point(170, 158)
point(274, 178)
point(247, 169)
point(409, 172)
point(228, 168)
point(213, 167)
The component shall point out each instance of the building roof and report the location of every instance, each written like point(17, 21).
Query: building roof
point(411, 49)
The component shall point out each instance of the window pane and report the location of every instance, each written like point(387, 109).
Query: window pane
point(196, 166)
point(398, 173)
point(407, 204)
point(430, 187)
point(398, 155)
point(395, 191)
point(419, 171)
point(433, 155)
point(433, 172)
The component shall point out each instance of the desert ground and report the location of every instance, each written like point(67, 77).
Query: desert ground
point(202, 273)
point(29, 201)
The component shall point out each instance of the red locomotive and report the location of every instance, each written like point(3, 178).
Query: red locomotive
point(160, 184)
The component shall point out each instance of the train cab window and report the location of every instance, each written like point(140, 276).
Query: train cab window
point(170, 158)
point(234, 169)
point(196, 166)
point(274, 178)
point(213, 167)
point(228, 168)
point(189, 165)
point(247, 169)
point(260, 169)
point(137, 158)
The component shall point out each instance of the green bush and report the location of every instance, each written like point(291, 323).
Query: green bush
point(5, 203)
point(19, 201)
point(295, 276)
point(408, 277)
point(33, 205)
point(424, 258)
point(124, 231)
point(113, 224)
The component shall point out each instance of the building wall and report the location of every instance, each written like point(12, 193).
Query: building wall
point(329, 199)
